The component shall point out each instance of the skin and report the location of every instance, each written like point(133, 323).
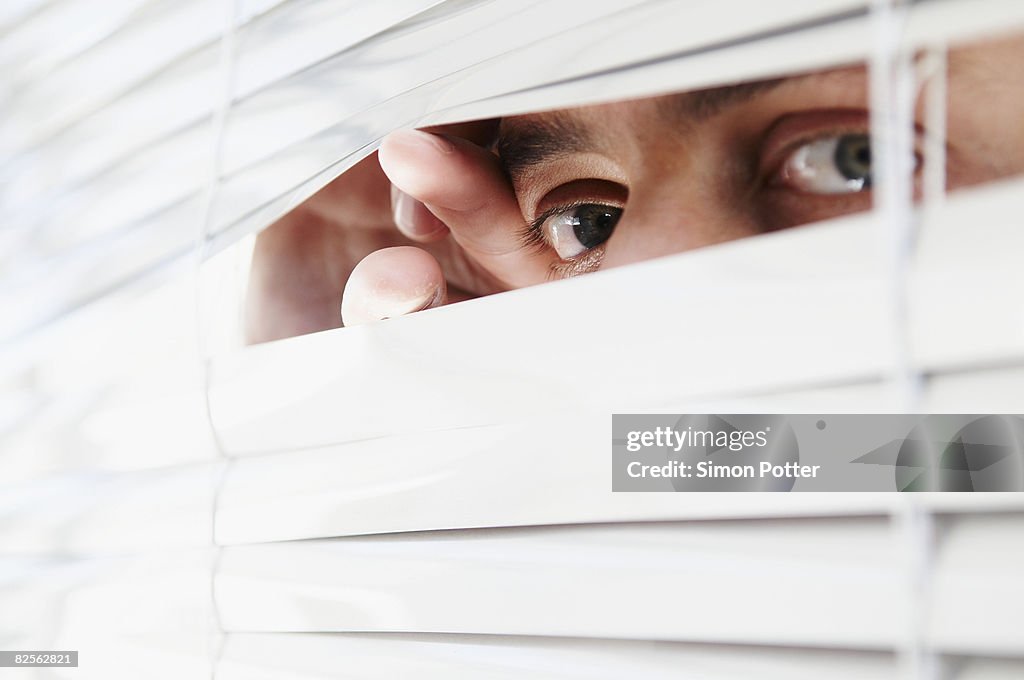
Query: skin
point(436, 217)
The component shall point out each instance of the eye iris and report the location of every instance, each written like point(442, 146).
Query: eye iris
point(853, 158)
point(593, 224)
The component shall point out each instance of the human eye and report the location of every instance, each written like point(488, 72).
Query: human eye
point(816, 165)
point(573, 230)
point(833, 164)
point(830, 155)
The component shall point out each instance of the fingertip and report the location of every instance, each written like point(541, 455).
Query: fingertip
point(445, 173)
point(467, 189)
point(392, 282)
point(404, 154)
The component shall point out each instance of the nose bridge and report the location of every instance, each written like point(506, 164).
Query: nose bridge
point(674, 211)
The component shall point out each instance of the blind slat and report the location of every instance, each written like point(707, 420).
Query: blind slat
point(377, 657)
point(93, 514)
point(302, 33)
point(976, 589)
point(480, 40)
point(817, 583)
point(164, 33)
point(168, 91)
point(546, 471)
point(118, 400)
point(162, 592)
point(816, 45)
point(30, 52)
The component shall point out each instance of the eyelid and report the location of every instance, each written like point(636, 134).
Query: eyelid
point(569, 195)
point(532, 233)
point(532, 237)
point(590, 261)
point(582, 175)
point(791, 132)
point(583, 189)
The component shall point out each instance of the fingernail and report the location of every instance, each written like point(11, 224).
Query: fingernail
point(392, 282)
point(403, 209)
point(405, 306)
point(384, 304)
point(412, 217)
point(387, 309)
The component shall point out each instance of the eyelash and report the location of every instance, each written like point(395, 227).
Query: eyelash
point(857, 123)
point(531, 235)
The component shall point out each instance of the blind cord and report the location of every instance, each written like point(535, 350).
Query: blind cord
point(892, 90)
point(915, 533)
point(892, 98)
point(220, 109)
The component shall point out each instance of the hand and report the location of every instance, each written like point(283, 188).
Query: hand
point(390, 253)
point(448, 191)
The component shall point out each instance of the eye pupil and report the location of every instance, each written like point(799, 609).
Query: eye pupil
point(593, 224)
point(853, 158)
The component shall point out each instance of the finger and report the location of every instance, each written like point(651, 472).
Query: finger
point(465, 186)
point(414, 220)
point(392, 282)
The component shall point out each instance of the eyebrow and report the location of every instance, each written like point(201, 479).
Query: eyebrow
point(538, 139)
point(535, 140)
point(701, 105)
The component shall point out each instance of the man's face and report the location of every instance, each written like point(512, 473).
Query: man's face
point(607, 185)
point(580, 189)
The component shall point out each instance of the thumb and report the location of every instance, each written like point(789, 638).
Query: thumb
point(392, 282)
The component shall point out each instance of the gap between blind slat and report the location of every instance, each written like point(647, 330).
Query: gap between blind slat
point(781, 312)
point(252, 198)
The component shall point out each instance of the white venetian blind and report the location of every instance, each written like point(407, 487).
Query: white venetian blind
point(174, 506)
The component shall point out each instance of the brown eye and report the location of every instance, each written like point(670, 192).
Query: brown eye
point(573, 231)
